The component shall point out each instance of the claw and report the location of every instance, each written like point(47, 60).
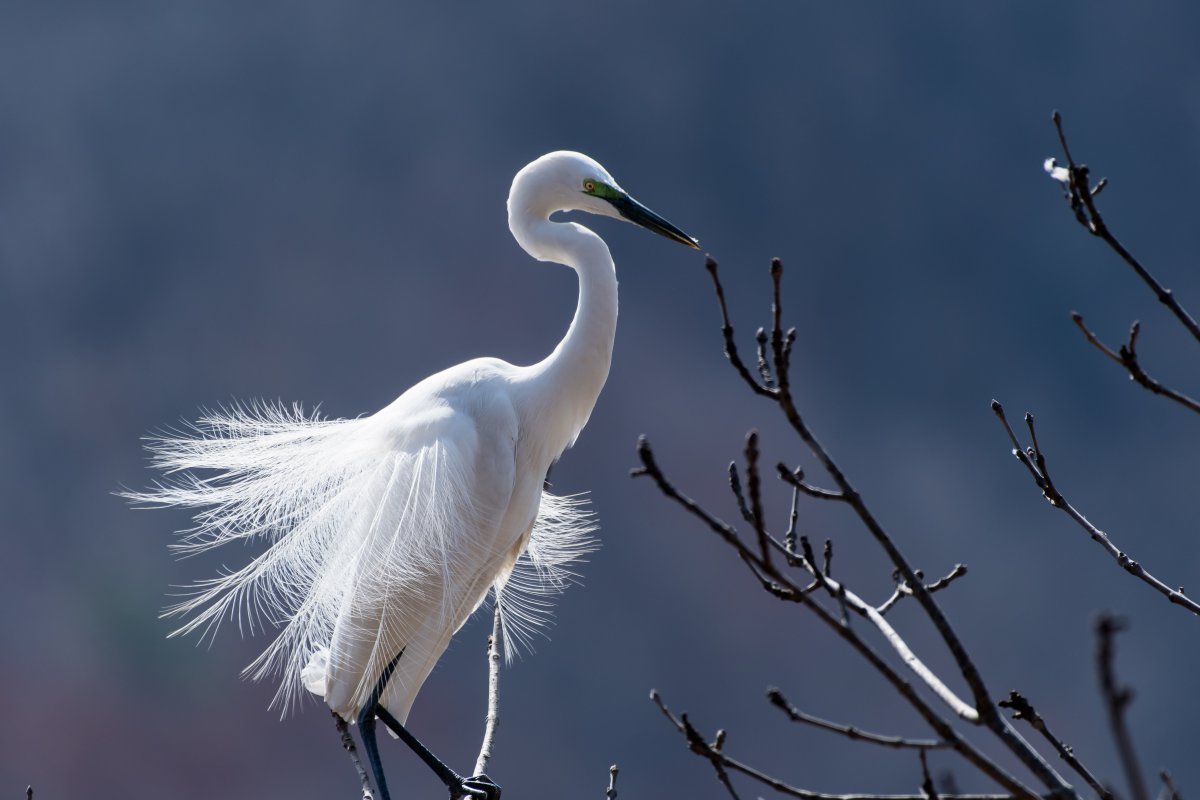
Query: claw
point(479, 786)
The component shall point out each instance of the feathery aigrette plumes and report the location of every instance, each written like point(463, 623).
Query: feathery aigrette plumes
point(331, 499)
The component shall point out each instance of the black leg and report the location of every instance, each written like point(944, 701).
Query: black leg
point(479, 787)
point(366, 728)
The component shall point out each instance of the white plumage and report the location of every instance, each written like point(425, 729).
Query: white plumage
point(383, 533)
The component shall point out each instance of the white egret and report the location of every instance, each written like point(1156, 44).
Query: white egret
point(385, 532)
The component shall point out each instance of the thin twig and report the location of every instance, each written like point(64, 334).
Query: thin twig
point(1083, 202)
point(795, 479)
point(1127, 357)
point(702, 748)
point(764, 368)
point(697, 744)
point(1022, 709)
point(1034, 461)
point(754, 486)
point(789, 538)
point(1116, 700)
point(1169, 792)
point(731, 351)
point(902, 589)
point(849, 731)
point(348, 745)
point(494, 648)
point(735, 486)
point(926, 781)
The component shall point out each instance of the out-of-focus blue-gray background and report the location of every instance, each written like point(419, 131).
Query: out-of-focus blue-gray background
point(209, 201)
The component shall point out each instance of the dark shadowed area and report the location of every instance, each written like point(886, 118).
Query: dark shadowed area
point(202, 202)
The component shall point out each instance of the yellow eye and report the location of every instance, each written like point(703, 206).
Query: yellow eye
point(589, 186)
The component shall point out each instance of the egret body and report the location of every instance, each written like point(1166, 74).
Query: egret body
point(385, 532)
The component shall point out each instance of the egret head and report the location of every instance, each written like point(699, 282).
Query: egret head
point(568, 181)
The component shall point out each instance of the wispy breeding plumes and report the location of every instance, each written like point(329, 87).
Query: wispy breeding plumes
point(347, 510)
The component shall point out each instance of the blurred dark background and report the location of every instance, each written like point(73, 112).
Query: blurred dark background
point(209, 201)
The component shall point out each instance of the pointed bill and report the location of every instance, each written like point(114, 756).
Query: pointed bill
point(638, 214)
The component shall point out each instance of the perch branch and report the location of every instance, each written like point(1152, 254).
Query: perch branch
point(348, 744)
point(494, 646)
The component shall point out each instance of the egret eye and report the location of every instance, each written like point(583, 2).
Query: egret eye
point(589, 186)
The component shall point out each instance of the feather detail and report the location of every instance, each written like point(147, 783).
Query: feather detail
point(561, 537)
point(363, 521)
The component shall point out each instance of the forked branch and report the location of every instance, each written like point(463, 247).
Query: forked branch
point(1127, 357)
point(1034, 460)
point(1082, 197)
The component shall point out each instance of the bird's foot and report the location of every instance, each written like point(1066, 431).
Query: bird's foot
point(477, 787)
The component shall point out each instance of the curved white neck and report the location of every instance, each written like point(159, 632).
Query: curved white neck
point(567, 382)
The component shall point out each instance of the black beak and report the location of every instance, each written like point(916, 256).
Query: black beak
point(638, 214)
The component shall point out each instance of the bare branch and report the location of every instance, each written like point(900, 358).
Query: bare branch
point(494, 647)
point(1083, 202)
point(754, 485)
point(780, 586)
point(731, 351)
point(1127, 357)
point(984, 710)
point(735, 486)
point(1116, 700)
point(902, 589)
point(348, 745)
point(1022, 709)
point(789, 538)
point(795, 479)
point(1169, 792)
point(926, 781)
point(715, 754)
point(1034, 460)
point(764, 369)
point(849, 731)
